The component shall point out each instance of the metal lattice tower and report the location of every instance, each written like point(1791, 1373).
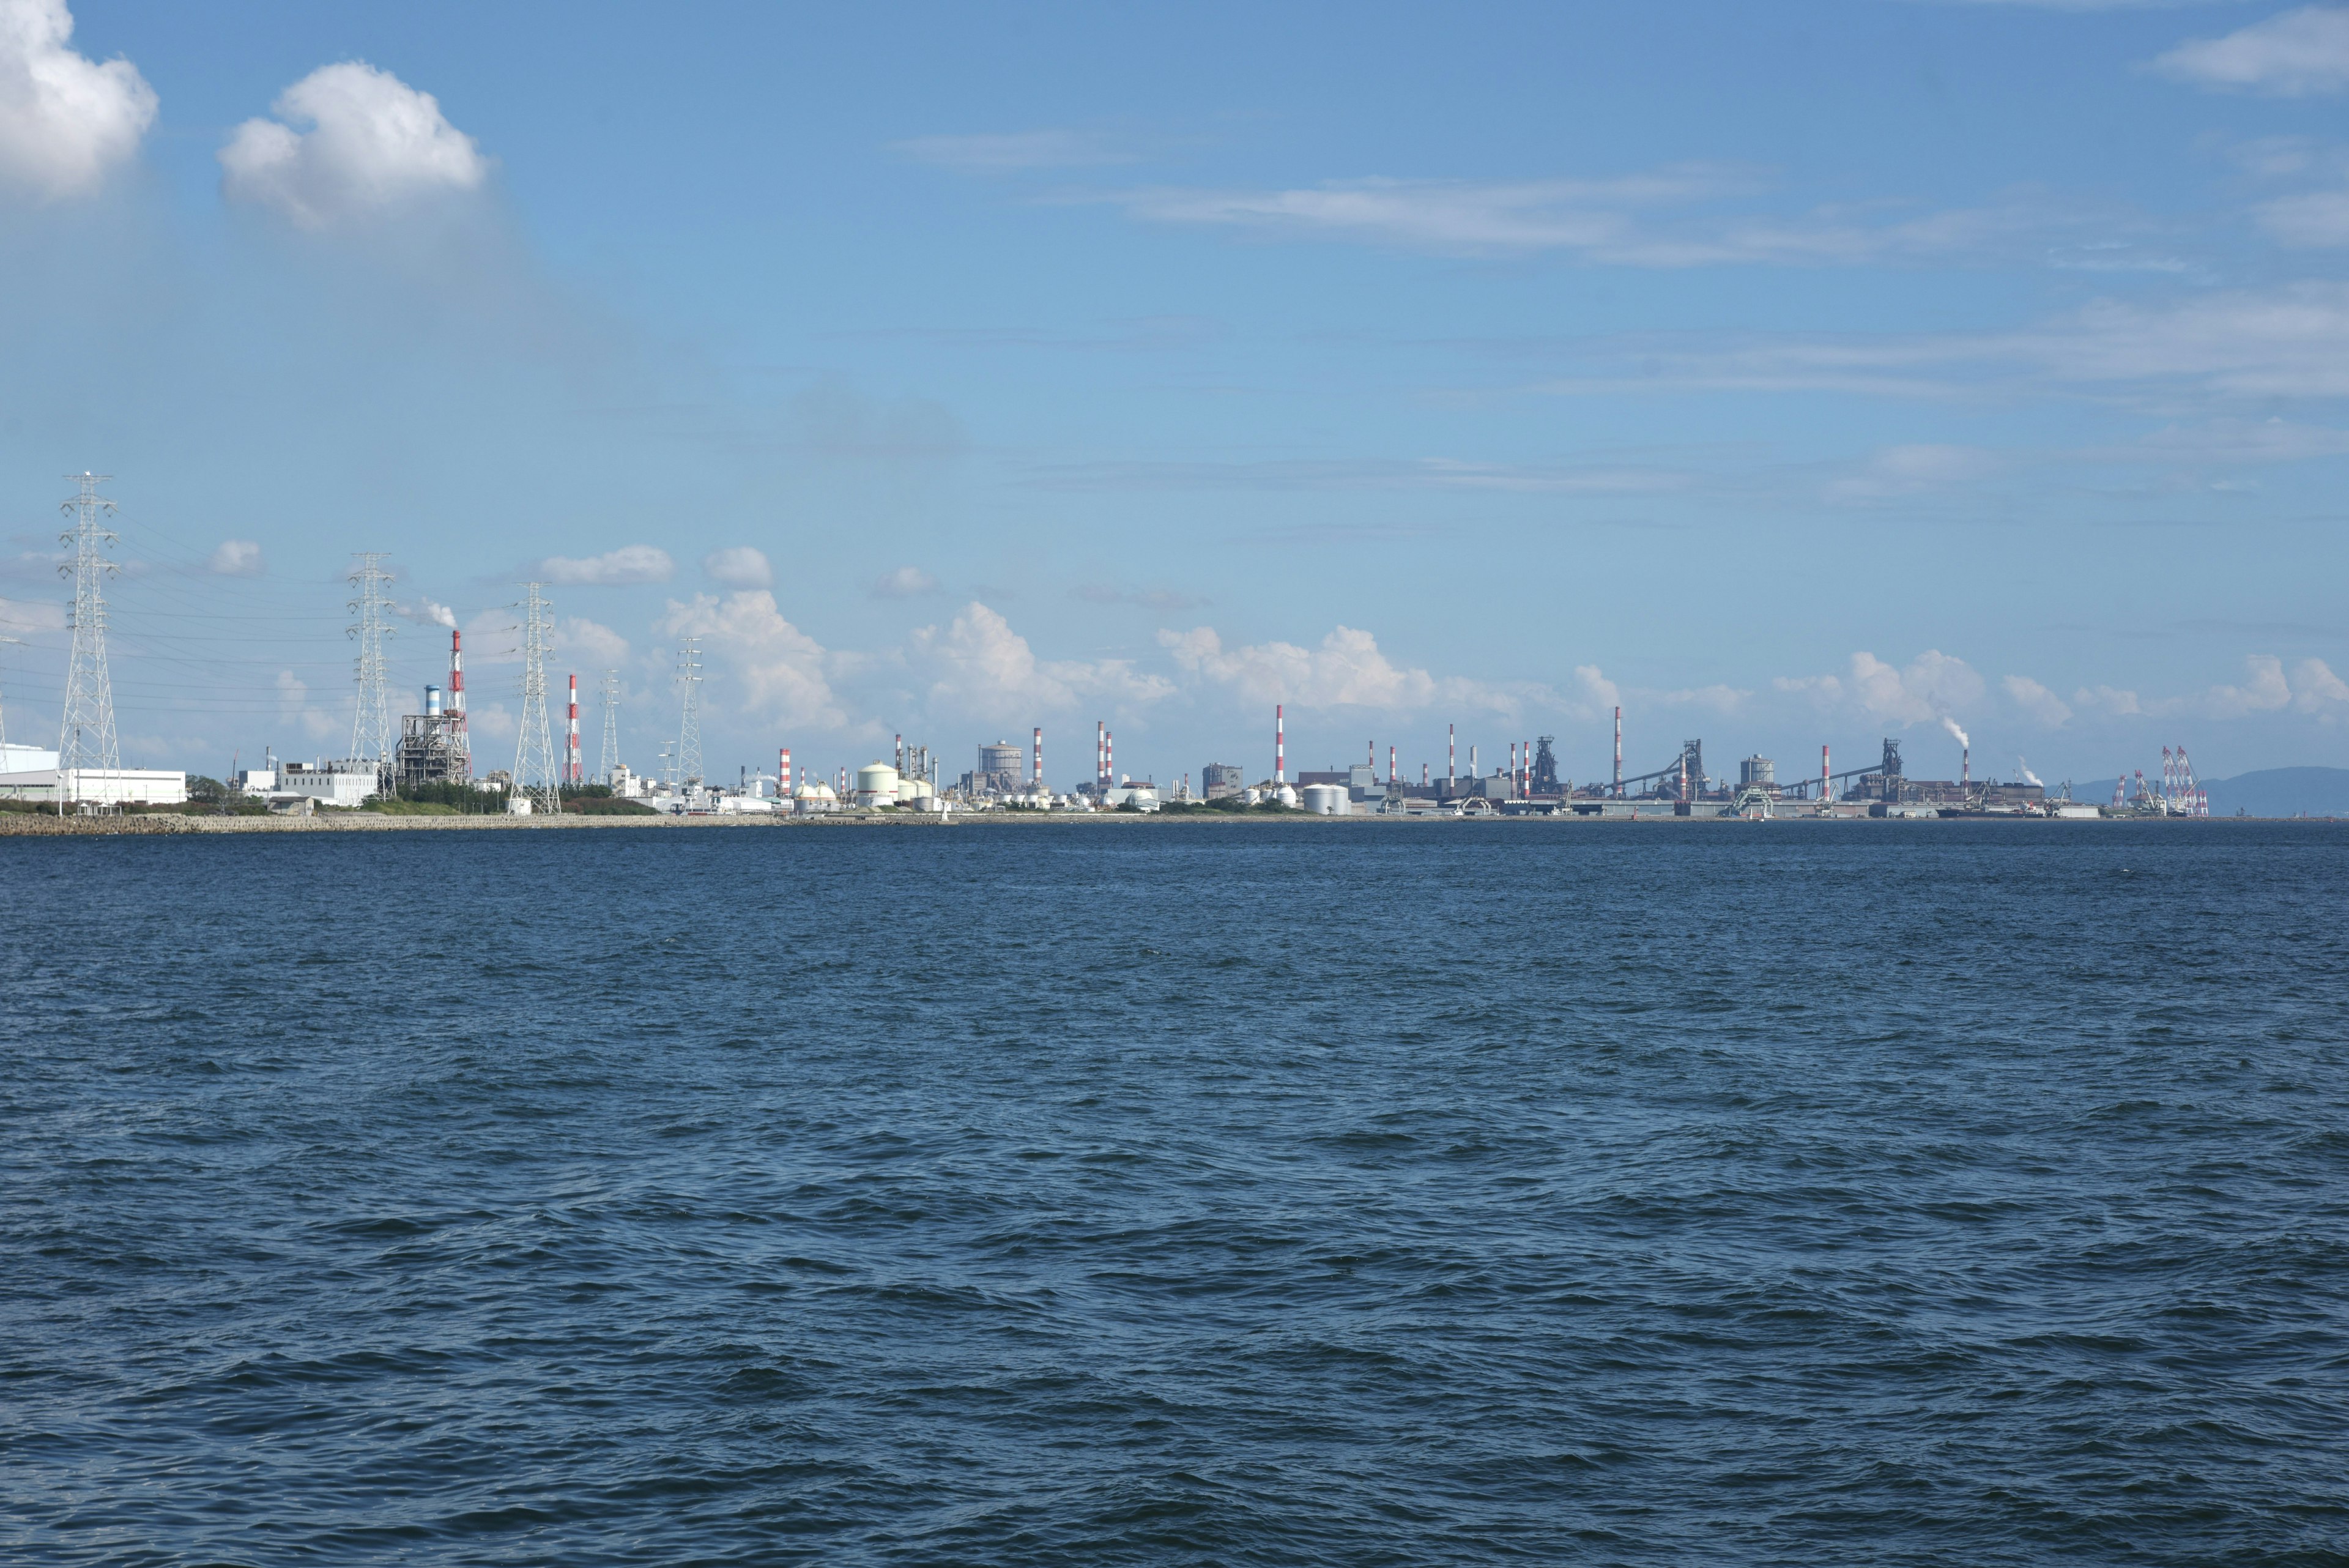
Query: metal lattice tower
point(689, 728)
point(611, 760)
point(85, 739)
point(534, 773)
point(371, 724)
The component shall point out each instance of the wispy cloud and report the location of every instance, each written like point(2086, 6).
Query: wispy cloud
point(237, 559)
point(1680, 216)
point(2289, 55)
point(2287, 341)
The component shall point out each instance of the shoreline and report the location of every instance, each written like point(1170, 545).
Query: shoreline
point(25, 824)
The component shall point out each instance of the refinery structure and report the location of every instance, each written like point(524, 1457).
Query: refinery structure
point(429, 755)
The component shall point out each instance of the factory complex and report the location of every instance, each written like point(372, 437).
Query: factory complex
point(425, 762)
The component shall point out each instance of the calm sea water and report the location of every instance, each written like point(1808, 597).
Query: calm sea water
point(1159, 1193)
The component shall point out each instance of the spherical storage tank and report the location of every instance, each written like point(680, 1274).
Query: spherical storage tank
point(1325, 800)
point(876, 784)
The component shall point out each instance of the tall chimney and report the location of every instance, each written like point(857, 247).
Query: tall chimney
point(1451, 753)
point(1039, 755)
point(1825, 785)
point(1279, 745)
point(783, 773)
point(574, 738)
point(1618, 750)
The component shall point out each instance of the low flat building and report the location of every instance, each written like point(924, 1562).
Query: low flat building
point(343, 784)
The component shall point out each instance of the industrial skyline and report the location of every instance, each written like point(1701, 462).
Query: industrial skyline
point(952, 400)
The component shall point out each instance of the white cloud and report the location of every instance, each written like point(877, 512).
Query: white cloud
point(237, 559)
point(2287, 341)
point(2315, 220)
point(2112, 699)
point(1597, 692)
point(596, 645)
point(1905, 469)
point(2266, 691)
point(1008, 152)
point(1623, 221)
point(349, 140)
point(779, 670)
point(2289, 55)
point(978, 666)
point(905, 583)
point(1346, 670)
point(425, 612)
point(1932, 686)
point(2038, 700)
point(66, 120)
point(739, 566)
point(31, 615)
point(628, 563)
point(2316, 689)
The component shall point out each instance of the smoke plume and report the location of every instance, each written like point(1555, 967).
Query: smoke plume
point(2023, 768)
point(1952, 726)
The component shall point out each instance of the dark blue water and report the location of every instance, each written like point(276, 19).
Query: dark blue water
point(1169, 1193)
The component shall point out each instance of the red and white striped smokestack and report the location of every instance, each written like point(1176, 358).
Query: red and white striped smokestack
point(1391, 767)
point(456, 671)
point(1279, 746)
point(1109, 757)
point(1101, 753)
point(1528, 793)
point(575, 730)
point(783, 773)
point(1618, 750)
point(1039, 755)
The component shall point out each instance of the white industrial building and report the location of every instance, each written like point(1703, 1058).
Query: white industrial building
point(90, 786)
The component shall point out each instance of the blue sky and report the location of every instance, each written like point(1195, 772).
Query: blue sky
point(1792, 375)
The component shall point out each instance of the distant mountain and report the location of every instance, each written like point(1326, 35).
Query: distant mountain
point(2271, 792)
point(2280, 791)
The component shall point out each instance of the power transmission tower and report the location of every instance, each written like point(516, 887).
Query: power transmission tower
point(611, 761)
point(689, 729)
point(371, 725)
point(19, 642)
point(534, 773)
point(85, 739)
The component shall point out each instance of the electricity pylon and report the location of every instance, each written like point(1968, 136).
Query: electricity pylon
point(371, 723)
point(611, 760)
point(535, 772)
point(688, 729)
point(19, 642)
point(85, 739)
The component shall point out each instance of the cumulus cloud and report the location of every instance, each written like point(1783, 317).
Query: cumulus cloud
point(778, 670)
point(905, 583)
point(1929, 689)
point(2289, 55)
point(977, 665)
point(628, 563)
point(2038, 700)
point(2316, 689)
point(237, 559)
point(348, 141)
point(594, 644)
point(1347, 670)
point(739, 566)
point(66, 120)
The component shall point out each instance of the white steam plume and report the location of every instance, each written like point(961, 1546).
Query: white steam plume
point(1952, 726)
point(425, 612)
point(2023, 768)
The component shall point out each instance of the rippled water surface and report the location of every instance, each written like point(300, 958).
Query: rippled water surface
point(1880, 1193)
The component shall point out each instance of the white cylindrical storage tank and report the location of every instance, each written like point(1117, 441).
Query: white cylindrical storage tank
point(1285, 796)
point(876, 784)
point(1325, 800)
